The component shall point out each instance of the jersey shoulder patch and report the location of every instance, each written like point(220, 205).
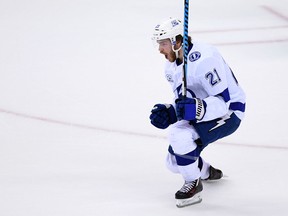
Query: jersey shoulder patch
point(194, 56)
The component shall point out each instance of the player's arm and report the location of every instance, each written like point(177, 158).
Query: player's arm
point(214, 81)
point(211, 76)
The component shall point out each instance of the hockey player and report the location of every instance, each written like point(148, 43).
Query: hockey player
point(212, 109)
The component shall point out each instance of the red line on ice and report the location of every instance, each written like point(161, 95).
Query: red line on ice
point(271, 10)
point(76, 125)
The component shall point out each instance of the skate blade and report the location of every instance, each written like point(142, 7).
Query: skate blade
point(180, 203)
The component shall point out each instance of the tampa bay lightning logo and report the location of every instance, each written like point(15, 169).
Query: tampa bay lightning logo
point(169, 77)
point(194, 56)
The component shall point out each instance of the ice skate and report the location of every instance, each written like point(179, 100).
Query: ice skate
point(189, 194)
point(214, 174)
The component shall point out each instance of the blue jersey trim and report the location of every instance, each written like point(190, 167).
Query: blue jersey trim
point(225, 95)
point(237, 106)
point(213, 130)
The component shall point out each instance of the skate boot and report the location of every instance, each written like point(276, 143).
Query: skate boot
point(189, 194)
point(214, 174)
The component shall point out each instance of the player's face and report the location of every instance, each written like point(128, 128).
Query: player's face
point(165, 48)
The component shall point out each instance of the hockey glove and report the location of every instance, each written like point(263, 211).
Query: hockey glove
point(190, 109)
point(162, 115)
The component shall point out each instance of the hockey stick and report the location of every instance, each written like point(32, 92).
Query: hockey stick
point(185, 47)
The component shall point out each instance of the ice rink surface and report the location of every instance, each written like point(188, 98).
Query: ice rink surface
point(78, 81)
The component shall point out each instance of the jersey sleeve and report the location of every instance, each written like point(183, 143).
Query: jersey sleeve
point(213, 79)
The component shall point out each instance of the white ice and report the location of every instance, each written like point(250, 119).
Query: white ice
point(78, 79)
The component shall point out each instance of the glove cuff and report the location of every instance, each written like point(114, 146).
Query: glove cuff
point(200, 109)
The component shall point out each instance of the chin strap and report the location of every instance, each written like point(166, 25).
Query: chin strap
point(176, 51)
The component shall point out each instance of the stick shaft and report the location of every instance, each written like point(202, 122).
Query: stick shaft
point(185, 47)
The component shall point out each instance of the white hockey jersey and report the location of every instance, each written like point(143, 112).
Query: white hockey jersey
point(210, 79)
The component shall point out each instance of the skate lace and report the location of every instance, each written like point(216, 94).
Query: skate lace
point(188, 186)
